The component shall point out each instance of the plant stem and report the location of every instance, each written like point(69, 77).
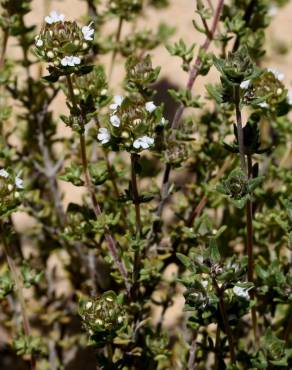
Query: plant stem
point(249, 239)
point(136, 202)
point(217, 347)
point(114, 54)
point(224, 316)
point(194, 73)
point(4, 47)
point(90, 188)
point(239, 129)
point(19, 289)
point(192, 353)
point(247, 170)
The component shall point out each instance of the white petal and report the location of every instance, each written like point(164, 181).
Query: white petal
point(136, 144)
point(54, 17)
point(289, 97)
point(118, 99)
point(115, 121)
point(18, 183)
point(143, 142)
point(278, 74)
point(76, 60)
point(240, 292)
point(64, 62)
point(39, 43)
point(273, 10)
point(263, 104)
point(4, 173)
point(103, 135)
point(150, 106)
point(245, 84)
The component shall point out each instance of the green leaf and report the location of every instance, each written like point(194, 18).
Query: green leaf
point(214, 251)
point(185, 260)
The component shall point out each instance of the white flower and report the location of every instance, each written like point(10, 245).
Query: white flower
point(38, 41)
point(88, 305)
point(273, 10)
point(245, 84)
point(163, 121)
point(143, 142)
point(103, 135)
point(18, 183)
point(278, 74)
point(118, 99)
point(241, 292)
point(263, 104)
point(70, 61)
point(88, 32)
point(4, 173)
point(54, 17)
point(150, 106)
point(115, 121)
point(289, 97)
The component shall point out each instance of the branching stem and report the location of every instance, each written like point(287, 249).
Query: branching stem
point(90, 188)
point(194, 72)
point(114, 54)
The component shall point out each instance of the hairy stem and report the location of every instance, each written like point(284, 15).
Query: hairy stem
point(194, 72)
point(239, 129)
point(90, 188)
point(114, 54)
point(249, 240)
point(224, 316)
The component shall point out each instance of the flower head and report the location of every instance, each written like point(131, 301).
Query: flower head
point(278, 74)
point(18, 182)
point(118, 99)
point(143, 142)
point(263, 104)
point(103, 135)
point(70, 61)
point(54, 17)
point(88, 32)
point(150, 106)
point(115, 121)
point(38, 41)
point(245, 84)
point(4, 173)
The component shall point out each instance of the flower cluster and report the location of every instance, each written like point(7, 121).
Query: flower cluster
point(102, 315)
point(63, 43)
point(10, 187)
point(130, 125)
point(269, 85)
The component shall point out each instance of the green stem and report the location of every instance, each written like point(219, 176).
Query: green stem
point(239, 129)
point(224, 316)
point(249, 240)
point(90, 188)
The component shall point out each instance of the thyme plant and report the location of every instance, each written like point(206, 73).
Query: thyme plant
point(196, 206)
